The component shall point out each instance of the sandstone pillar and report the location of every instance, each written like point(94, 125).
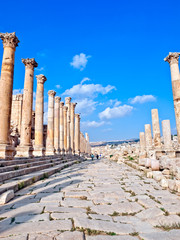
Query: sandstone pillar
point(39, 149)
point(148, 137)
point(173, 59)
point(68, 104)
point(61, 128)
point(65, 108)
point(142, 142)
point(73, 105)
point(50, 128)
point(166, 129)
point(77, 134)
point(156, 128)
point(10, 42)
point(25, 148)
point(57, 124)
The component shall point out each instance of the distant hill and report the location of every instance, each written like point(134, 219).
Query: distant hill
point(115, 142)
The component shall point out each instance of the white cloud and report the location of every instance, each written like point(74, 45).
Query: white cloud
point(58, 86)
point(39, 69)
point(85, 80)
point(115, 112)
point(106, 130)
point(80, 61)
point(85, 106)
point(92, 124)
point(142, 99)
point(18, 91)
point(114, 102)
point(88, 90)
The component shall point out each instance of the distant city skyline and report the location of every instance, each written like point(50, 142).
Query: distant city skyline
point(107, 55)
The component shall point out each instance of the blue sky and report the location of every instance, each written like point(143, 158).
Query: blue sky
point(104, 54)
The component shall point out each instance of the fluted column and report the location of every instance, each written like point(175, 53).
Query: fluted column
point(25, 149)
point(39, 149)
point(148, 137)
point(10, 42)
point(166, 129)
point(56, 124)
point(61, 128)
point(68, 104)
point(173, 59)
point(50, 128)
point(73, 105)
point(65, 109)
point(156, 128)
point(77, 134)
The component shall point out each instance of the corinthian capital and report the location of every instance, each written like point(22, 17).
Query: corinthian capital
point(51, 93)
point(173, 57)
point(73, 105)
point(9, 39)
point(67, 100)
point(41, 78)
point(61, 104)
point(57, 99)
point(29, 62)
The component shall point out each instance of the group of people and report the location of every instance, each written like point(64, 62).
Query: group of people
point(97, 156)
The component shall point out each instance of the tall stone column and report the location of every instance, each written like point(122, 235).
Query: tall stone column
point(173, 59)
point(148, 137)
point(166, 129)
point(10, 42)
point(39, 149)
point(68, 104)
point(142, 150)
point(77, 134)
point(73, 105)
point(156, 128)
point(61, 128)
point(57, 124)
point(25, 148)
point(50, 128)
point(65, 108)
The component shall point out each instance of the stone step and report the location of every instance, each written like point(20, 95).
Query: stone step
point(28, 179)
point(16, 173)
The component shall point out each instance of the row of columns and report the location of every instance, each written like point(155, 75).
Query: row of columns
point(63, 128)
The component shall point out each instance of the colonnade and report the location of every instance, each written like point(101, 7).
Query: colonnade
point(63, 127)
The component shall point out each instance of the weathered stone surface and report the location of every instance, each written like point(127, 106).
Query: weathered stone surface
point(71, 236)
point(6, 197)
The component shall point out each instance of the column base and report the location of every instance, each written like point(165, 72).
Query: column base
point(50, 151)
point(39, 151)
point(7, 152)
point(24, 151)
point(62, 152)
point(57, 151)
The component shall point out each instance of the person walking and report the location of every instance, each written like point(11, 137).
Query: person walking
point(92, 157)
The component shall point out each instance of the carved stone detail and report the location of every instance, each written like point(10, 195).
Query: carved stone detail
point(173, 57)
point(9, 39)
point(67, 100)
point(29, 62)
point(57, 99)
point(51, 93)
point(61, 104)
point(41, 78)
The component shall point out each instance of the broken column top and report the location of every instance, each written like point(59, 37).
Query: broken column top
point(67, 100)
point(173, 57)
point(29, 62)
point(57, 99)
point(9, 39)
point(41, 78)
point(61, 104)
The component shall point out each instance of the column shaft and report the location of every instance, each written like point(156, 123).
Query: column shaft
point(148, 136)
point(156, 128)
point(166, 129)
point(61, 128)
point(73, 105)
point(65, 108)
point(56, 124)
point(77, 134)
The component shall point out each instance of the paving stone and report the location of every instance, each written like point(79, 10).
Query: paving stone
point(57, 216)
point(102, 237)
point(165, 220)
point(171, 235)
point(71, 202)
point(150, 213)
point(70, 236)
point(118, 228)
point(6, 196)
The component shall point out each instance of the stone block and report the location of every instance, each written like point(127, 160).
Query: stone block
point(164, 183)
point(6, 197)
point(172, 184)
point(148, 162)
point(142, 161)
point(157, 175)
point(154, 165)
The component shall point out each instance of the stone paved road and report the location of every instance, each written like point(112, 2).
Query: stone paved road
point(99, 200)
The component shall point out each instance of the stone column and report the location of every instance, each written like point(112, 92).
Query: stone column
point(10, 42)
point(50, 128)
point(25, 148)
point(166, 129)
point(77, 134)
point(148, 136)
point(73, 105)
point(57, 124)
point(68, 104)
point(173, 59)
point(61, 128)
point(65, 108)
point(142, 141)
point(156, 128)
point(39, 149)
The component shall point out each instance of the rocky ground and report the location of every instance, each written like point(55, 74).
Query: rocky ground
point(93, 200)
